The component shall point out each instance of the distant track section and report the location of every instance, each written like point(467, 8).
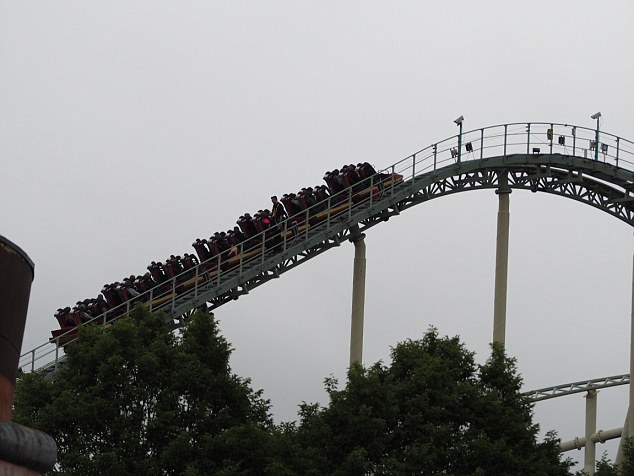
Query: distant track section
point(577, 387)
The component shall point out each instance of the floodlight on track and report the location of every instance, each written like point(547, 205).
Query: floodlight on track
point(596, 139)
point(459, 124)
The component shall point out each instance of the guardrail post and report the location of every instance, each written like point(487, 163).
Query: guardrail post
point(173, 294)
point(505, 136)
point(552, 132)
point(285, 234)
point(528, 138)
point(617, 151)
point(481, 143)
point(196, 282)
point(56, 352)
point(435, 155)
point(349, 206)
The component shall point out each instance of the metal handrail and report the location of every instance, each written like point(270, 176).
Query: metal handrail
point(29, 359)
point(497, 140)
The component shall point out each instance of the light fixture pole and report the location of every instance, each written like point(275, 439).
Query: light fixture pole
point(459, 122)
point(596, 139)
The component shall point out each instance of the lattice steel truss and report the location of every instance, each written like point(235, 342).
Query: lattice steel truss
point(577, 387)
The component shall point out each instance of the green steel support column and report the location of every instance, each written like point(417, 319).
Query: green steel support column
point(501, 259)
point(591, 428)
point(358, 300)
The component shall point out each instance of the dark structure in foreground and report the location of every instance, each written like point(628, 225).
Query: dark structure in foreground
point(23, 451)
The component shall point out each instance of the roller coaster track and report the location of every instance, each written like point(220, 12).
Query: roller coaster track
point(560, 159)
point(577, 387)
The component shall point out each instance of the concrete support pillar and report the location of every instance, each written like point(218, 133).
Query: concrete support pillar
point(628, 427)
point(501, 259)
point(591, 428)
point(630, 423)
point(358, 300)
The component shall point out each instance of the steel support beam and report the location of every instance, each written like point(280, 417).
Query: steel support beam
point(600, 436)
point(358, 298)
point(501, 259)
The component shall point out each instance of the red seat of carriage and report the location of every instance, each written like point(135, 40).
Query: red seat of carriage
point(201, 249)
point(157, 272)
point(64, 335)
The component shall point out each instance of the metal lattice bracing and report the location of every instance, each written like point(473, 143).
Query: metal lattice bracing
point(577, 387)
point(513, 151)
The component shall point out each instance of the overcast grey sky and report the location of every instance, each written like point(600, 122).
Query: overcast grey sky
point(130, 128)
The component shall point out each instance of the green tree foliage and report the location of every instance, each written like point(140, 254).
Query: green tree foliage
point(605, 467)
point(431, 411)
point(137, 399)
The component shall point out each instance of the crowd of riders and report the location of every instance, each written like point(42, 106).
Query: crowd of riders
point(264, 230)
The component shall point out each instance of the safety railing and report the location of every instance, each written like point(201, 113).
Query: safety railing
point(211, 273)
point(535, 138)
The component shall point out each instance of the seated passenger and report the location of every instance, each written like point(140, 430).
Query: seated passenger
point(122, 291)
point(321, 196)
point(129, 287)
point(111, 295)
point(62, 316)
point(223, 244)
point(101, 305)
point(246, 225)
point(83, 313)
point(333, 184)
point(172, 266)
point(237, 233)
